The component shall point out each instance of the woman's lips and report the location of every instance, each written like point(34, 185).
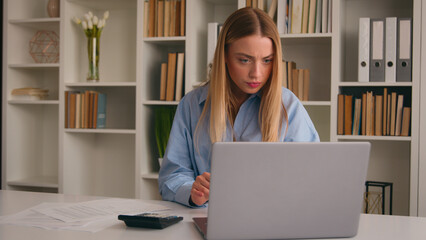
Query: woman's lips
point(253, 84)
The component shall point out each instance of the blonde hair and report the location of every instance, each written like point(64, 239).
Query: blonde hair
point(220, 101)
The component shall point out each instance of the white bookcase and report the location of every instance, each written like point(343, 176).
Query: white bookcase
point(40, 154)
point(393, 159)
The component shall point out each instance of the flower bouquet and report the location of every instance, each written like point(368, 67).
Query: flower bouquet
point(92, 27)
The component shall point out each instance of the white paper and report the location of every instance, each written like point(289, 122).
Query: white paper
point(98, 209)
point(47, 215)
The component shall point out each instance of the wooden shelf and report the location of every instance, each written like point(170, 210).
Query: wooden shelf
point(109, 131)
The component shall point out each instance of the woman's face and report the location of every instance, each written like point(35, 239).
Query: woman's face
point(249, 61)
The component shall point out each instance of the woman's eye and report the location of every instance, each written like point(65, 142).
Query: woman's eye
point(267, 60)
point(244, 60)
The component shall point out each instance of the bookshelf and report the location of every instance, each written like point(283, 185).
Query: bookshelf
point(121, 160)
point(393, 158)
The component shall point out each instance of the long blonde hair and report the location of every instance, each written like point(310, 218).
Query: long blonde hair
point(220, 101)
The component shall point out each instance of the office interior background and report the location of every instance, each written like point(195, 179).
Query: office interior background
point(120, 160)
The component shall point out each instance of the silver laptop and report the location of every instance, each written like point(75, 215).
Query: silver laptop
point(285, 190)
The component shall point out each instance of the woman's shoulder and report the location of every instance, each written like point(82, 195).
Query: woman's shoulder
point(289, 98)
point(196, 96)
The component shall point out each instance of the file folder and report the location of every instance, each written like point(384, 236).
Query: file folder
point(390, 49)
point(364, 50)
point(403, 68)
point(377, 47)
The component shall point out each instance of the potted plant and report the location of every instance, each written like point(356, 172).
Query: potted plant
point(163, 124)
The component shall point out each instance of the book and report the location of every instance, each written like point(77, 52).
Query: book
point(163, 81)
point(306, 84)
point(77, 110)
point(296, 16)
point(145, 19)
point(305, 16)
point(399, 108)
point(369, 114)
point(295, 82)
point(388, 118)
point(300, 82)
point(182, 17)
point(171, 77)
point(357, 117)
point(179, 76)
point(95, 109)
point(177, 18)
point(385, 110)
point(340, 113)
point(72, 109)
point(87, 108)
point(379, 115)
point(364, 114)
point(348, 115)
point(101, 111)
point(312, 12)
point(151, 18)
point(393, 113)
point(290, 67)
point(166, 18)
point(406, 117)
point(160, 18)
point(284, 70)
point(66, 109)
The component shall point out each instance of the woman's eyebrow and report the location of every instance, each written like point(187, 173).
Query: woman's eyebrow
point(249, 56)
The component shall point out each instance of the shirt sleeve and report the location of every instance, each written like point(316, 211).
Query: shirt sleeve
point(176, 174)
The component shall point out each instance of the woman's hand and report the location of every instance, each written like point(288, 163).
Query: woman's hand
point(201, 189)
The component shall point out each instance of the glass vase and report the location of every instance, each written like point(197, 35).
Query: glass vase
point(93, 54)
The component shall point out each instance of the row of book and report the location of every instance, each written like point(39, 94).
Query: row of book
point(296, 80)
point(164, 18)
point(172, 77)
point(304, 16)
point(269, 6)
point(85, 109)
point(384, 50)
point(373, 115)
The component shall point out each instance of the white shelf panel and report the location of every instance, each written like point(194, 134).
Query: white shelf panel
point(34, 20)
point(374, 138)
point(40, 181)
point(34, 65)
point(159, 103)
point(36, 102)
point(113, 131)
point(375, 84)
point(165, 39)
point(150, 176)
point(101, 84)
point(316, 103)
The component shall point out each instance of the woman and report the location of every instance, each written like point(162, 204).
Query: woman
point(242, 101)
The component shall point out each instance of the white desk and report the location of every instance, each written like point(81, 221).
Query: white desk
point(371, 226)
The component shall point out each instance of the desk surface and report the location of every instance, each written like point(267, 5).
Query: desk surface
point(371, 226)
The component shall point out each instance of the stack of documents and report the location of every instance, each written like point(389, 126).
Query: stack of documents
point(91, 216)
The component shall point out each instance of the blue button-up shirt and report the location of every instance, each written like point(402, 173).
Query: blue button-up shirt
point(188, 153)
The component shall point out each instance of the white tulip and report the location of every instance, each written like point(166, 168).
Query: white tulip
point(95, 20)
point(106, 15)
point(76, 20)
point(90, 24)
point(87, 17)
point(90, 14)
point(100, 23)
point(84, 25)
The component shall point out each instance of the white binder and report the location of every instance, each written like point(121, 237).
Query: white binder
point(403, 68)
point(282, 16)
point(377, 50)
point(390, 52)
point(213, 34)
point(364, 50)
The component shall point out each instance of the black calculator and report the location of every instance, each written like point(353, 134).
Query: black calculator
point(150, 220)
